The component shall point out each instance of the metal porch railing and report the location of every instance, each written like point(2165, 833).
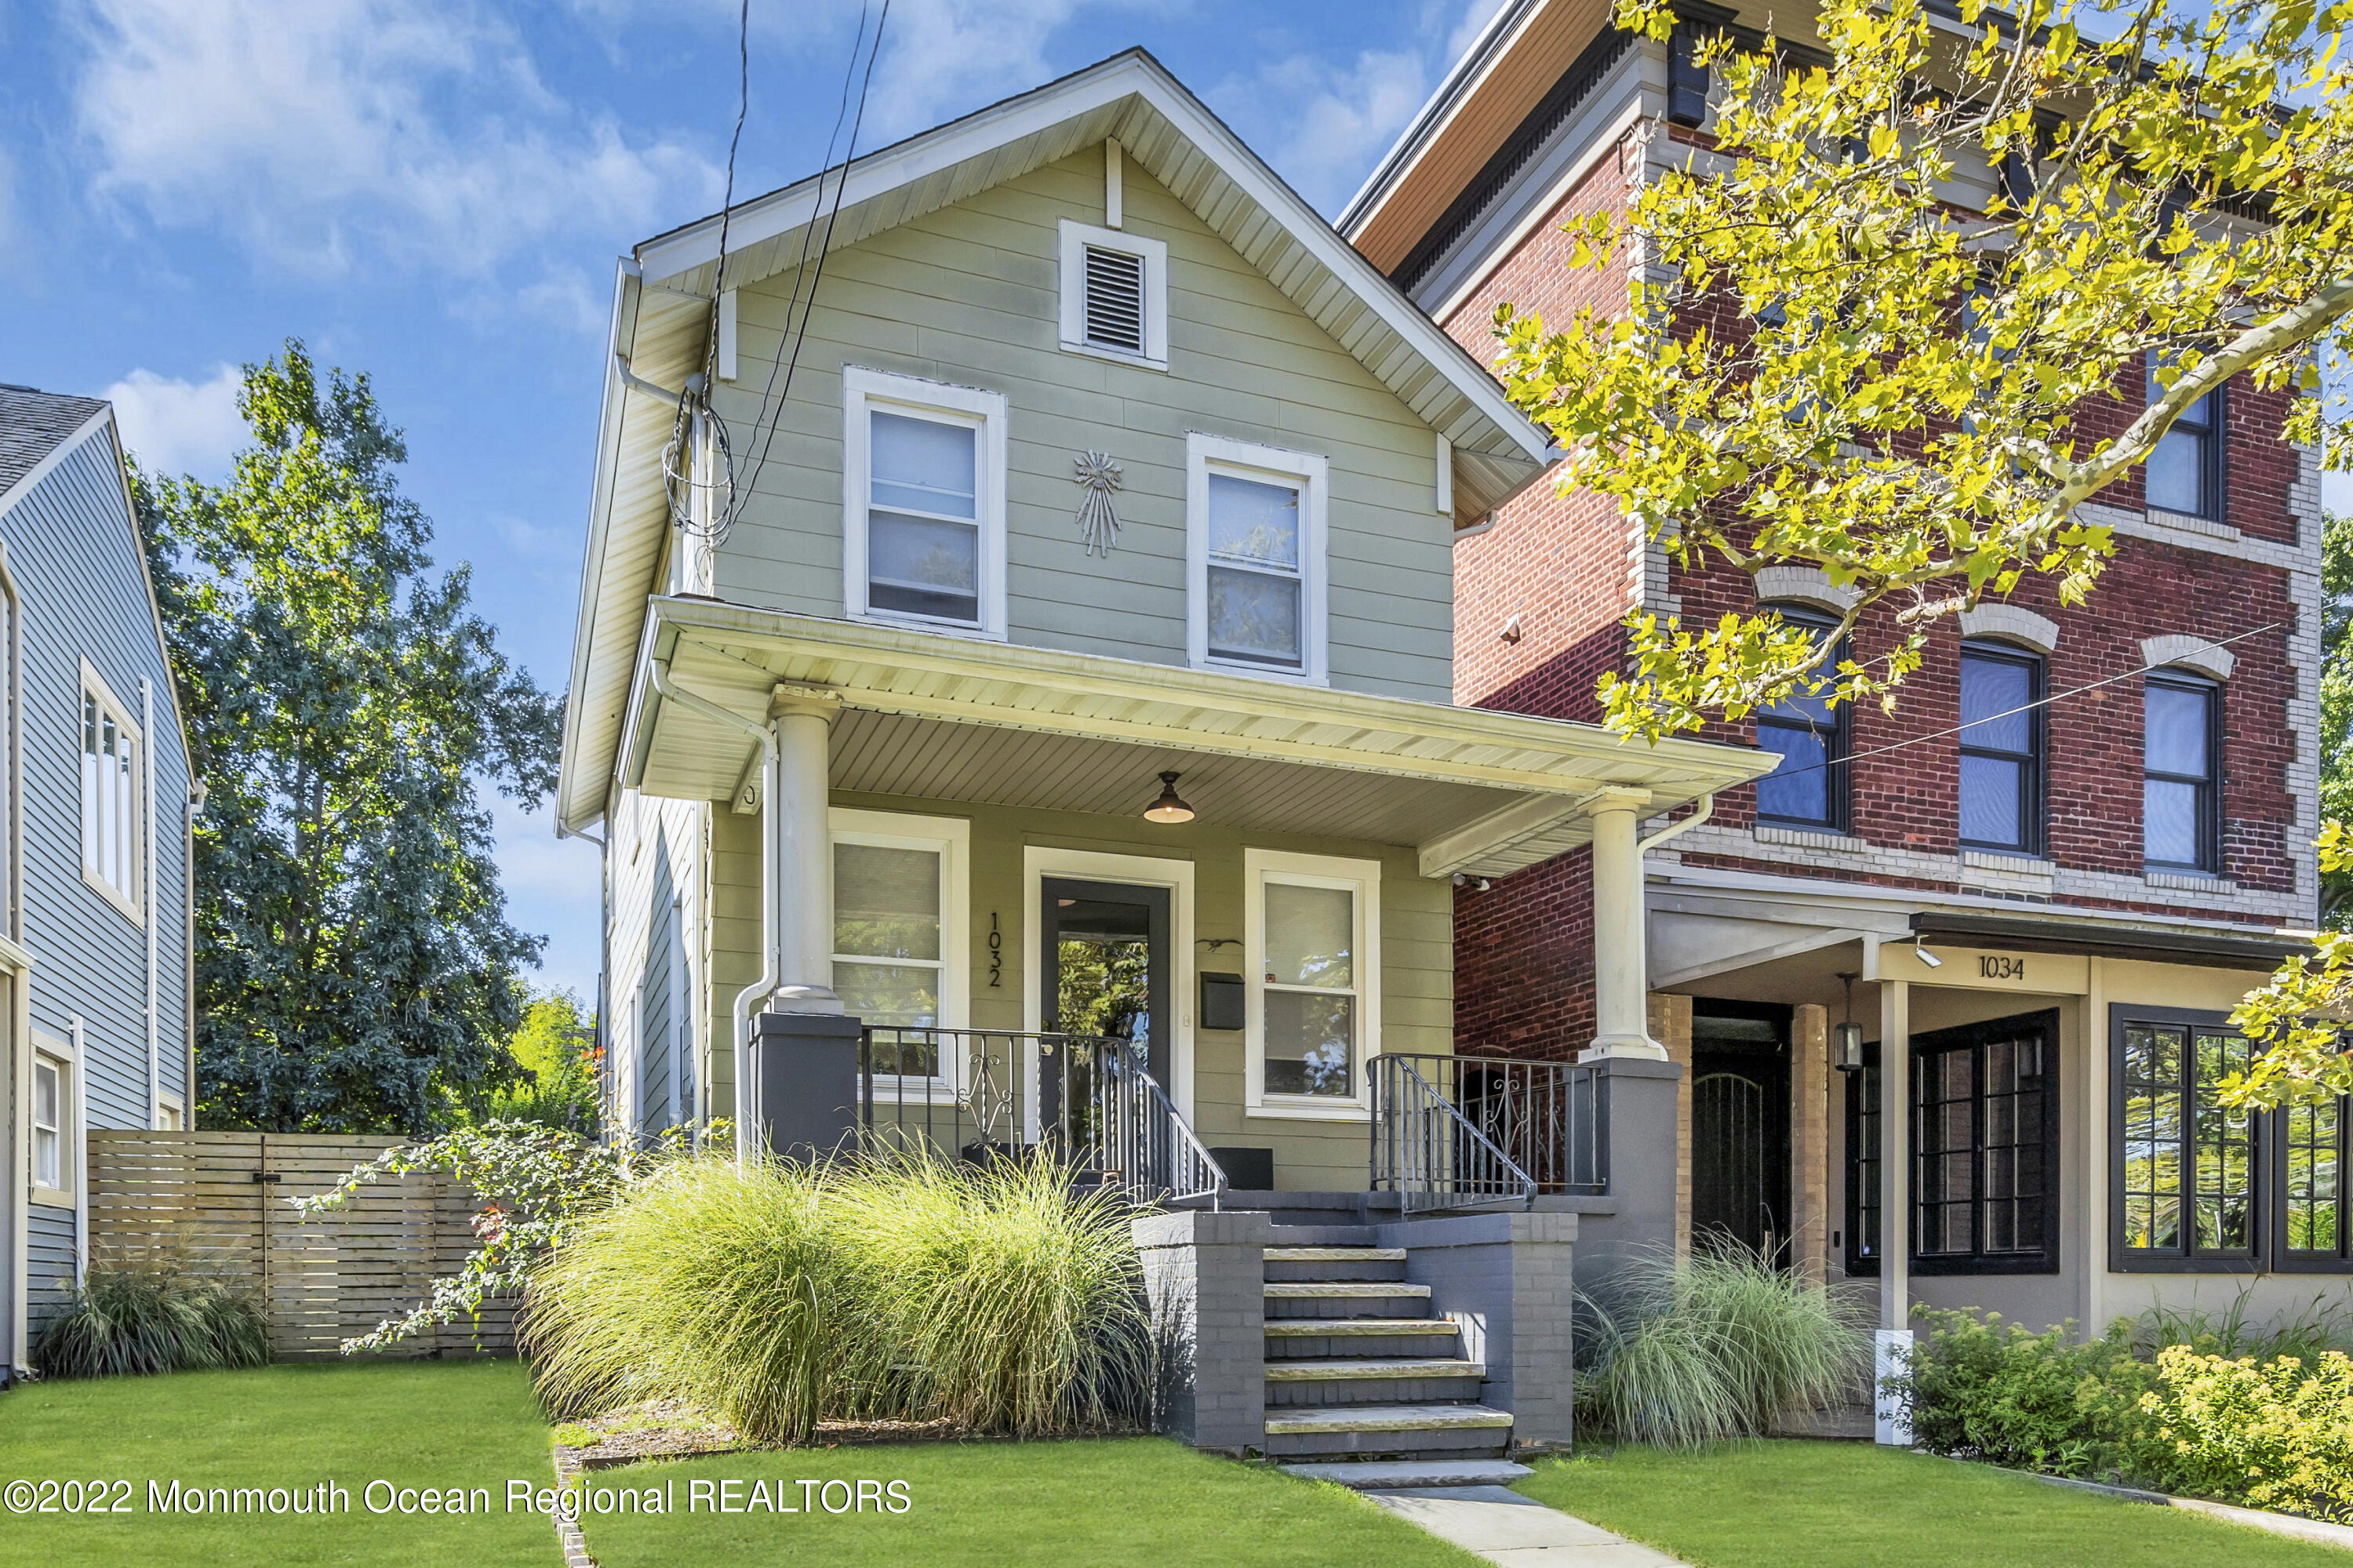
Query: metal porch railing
point(1468, 1131)
point(976, 1093)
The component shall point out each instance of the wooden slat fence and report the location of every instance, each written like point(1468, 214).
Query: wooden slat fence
point(217, 1202)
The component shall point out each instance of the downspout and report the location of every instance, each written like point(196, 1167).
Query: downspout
point(147, 869)
point(197, 790)
point(599, 1040)
point(772, 971)
point(1672, 830)
point(81, 1148)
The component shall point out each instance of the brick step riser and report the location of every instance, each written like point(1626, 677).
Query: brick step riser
point(1320, 1394)
point(1332, 1271)
point(1483, 1443)
point(1357, 1347)
point(1291, 1307)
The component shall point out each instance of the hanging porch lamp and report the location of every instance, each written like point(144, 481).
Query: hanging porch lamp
point(1846, 1039)
point(1170, 807)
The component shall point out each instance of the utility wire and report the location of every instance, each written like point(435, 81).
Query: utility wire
point(682, 472)
point(2011, 713)
point(817, 275)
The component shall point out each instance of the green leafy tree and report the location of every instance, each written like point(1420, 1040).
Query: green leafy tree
point(2335, 702)
point(354, 963)
point(556, 1062)
point(1904, 403)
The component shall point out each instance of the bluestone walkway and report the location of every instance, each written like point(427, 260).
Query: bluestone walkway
point(1513, 1531)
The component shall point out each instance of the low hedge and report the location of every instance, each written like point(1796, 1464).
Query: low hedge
point(2262, 1431)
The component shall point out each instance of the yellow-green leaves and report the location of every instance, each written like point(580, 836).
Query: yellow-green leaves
point(1947, 299)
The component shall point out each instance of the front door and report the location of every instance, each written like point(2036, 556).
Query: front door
point(1105, 948)
point(1740, 1125)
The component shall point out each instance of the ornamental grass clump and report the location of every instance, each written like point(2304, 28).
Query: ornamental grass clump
point(135, 1318)
point(993, 1296)
point(1714, 1347)
point(722, 1287)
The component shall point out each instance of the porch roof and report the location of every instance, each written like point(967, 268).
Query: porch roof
point(987, 724)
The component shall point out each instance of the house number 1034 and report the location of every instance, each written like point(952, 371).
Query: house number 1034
point(1999, 966)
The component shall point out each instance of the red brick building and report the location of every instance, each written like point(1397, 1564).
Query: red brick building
point(2053, 910)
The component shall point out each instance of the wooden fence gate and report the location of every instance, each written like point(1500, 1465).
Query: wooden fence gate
point(217, 1202)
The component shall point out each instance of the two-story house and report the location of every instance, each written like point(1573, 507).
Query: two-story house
point(96, 1026)
point(2038, 886)
point(1048, 625)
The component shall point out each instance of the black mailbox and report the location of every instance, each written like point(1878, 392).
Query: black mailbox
point(1222, 1001)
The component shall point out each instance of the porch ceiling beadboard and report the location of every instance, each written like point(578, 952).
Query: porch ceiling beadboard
point(662, 313)
point(940, 718)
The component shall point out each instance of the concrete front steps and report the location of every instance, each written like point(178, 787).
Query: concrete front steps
point(1364, 1387)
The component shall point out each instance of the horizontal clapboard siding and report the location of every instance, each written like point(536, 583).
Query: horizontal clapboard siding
point(323, 1279)
point(969, 295)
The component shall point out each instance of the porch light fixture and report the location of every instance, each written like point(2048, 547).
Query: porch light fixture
point(1846, 1039)
point(1170, 807)
point(1923, 955)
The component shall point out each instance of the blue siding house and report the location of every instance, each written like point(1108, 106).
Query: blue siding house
point(97, 1019)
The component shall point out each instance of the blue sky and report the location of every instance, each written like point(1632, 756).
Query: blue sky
point(433, 191)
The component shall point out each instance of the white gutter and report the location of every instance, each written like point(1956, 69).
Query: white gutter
point(772, 973)
point(1672, 830)
point(197, 790)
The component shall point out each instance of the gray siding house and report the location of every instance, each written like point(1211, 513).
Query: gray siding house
point(96, 1010)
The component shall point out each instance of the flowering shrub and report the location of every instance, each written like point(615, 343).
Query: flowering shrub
point(538, 1186)
point(2272, 1435)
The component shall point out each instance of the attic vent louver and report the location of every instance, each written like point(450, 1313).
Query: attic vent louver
point(1115, 300)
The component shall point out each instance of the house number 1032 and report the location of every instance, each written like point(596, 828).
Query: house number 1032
point(996, 951)
point(1999, 966)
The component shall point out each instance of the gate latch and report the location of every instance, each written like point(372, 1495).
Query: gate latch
point(270, 1177)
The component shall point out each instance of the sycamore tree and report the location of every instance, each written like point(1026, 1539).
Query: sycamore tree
point(1952, 253)
point(355, 965)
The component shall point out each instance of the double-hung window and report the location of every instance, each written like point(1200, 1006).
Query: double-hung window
point(923, 517)
point(1255, 528)
point(2001, 749)
point(1985, 1148)
point(2185, 471)
point(2181, 773)
point(111, 804)
point(2186, 1164)
point(52, 1117)
point(1809, 787)
point(899, 956)
point(1311, 928)
point(2314, 1142)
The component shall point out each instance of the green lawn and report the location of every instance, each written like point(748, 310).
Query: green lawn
point(1851, 1505)
point(415, 1424)
point(976, 1505)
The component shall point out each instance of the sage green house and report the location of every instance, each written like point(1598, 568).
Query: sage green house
point(1019, 602)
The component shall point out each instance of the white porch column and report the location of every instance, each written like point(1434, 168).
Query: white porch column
point(1895, 1338)
point(799, 883)
point(1620, 967)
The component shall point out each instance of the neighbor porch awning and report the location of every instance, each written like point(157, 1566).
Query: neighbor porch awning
point(950, 719)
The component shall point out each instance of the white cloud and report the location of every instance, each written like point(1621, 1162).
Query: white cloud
point(1474, 18)
point(1339, 118)
point(177, 426)
point(326, 135)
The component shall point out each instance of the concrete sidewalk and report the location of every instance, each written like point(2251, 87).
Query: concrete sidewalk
point(1514, 1531)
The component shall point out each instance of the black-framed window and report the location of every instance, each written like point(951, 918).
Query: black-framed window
point(2315, 1143)
point(2181, 767)
point(1687, 77)
point(1863, 1166)
point(1985, 1142)
point(1808, 788)
point(2185, 1170)
point(2185, 470)
point(2002, 749)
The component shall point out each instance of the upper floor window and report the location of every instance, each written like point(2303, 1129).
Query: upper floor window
point(1255, 567)
point(110, 801)
point(923, 520)
point(2181, 772)
point(1114, 293)
point(1311, 928)
point(1809, 787)
point(2185, 471)
point(2001, 748)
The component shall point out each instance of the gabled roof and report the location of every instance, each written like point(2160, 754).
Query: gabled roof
point(662, 312)
point(34, 424)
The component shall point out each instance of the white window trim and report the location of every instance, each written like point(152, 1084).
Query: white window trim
point(61, 1057)
point(169, 1108)
point(1075, 239)
point(1041, 862)
point(1363, 878)
point(952, 837)
point(865, 390)
point(131, 904)
point(1312, 472)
